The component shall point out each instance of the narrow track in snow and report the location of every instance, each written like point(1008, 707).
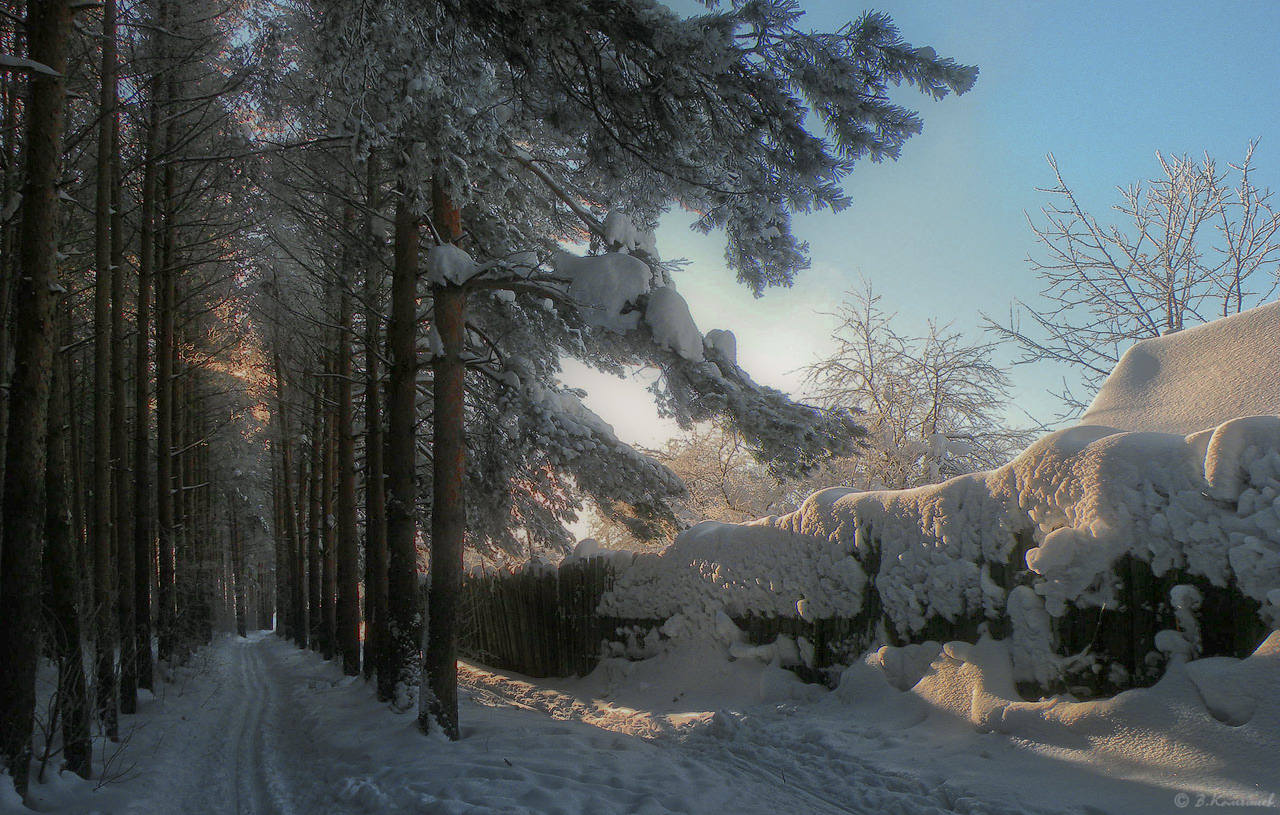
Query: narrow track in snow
point(234, 742)
point(252, 793)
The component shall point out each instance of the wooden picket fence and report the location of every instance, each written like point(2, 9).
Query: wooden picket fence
point(537, 622)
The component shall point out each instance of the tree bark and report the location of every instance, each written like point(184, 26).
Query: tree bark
point(448, 513)
point(143, 523)
point(301, 634)
point(237, 571)
point(121, 482)
point(315, 584)
point(448, 504)
point(288, 595)
point(62, 573)
point(9, 136)
point(48, 28)
point(404, 622)
point(329, 560)
point(166, 290)
point(348, 554)
point(103, 529)
point(376, 651)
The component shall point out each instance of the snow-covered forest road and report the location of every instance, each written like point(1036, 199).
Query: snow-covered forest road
point(242, 761)
point(257, 727)
point(271, 736)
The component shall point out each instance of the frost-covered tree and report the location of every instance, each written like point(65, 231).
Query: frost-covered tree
point(1192, 245)
point(723, 480)
point(514, 129)
point(933, 405)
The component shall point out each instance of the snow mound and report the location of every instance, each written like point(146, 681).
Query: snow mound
point(1174, 729)
point(1018, 549)
point(1197, 378)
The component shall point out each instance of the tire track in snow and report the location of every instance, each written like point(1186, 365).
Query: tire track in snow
point(253, 796)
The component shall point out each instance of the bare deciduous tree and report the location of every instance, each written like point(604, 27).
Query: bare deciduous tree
point(932, 404)
point(1193, 248)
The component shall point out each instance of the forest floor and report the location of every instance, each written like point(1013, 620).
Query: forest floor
point(256, 726)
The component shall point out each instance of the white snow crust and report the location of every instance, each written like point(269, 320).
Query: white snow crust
point(702, 726)
point(1197, 378)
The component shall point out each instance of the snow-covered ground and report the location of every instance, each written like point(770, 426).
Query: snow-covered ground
point(262, 728)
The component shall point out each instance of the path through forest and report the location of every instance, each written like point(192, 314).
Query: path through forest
point(255, 726)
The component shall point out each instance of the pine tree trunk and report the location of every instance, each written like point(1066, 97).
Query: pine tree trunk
point(404, 621)
point(8, 235)
point(166, 584)
point(448, 513)
point(329, 560)
point(287, 593)
point(62, 573)
point(122, 483)
point(348, 554)
point(237, 572)
point(277, 528)
point(48, 30)
point(300, 589)
point(448, 505)
point(375, 543)
point(197, 517)
point(183, 562)
point(314, 530)
point(103, 529)
point(143, 529)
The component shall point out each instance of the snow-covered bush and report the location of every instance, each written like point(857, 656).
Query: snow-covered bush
point(1101, 552)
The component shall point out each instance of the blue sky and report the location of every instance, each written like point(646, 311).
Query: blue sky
point(941, 233)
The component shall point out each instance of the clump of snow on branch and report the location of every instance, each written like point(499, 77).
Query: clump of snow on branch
point(607, 286)
point(621, 231)
point(740, 569)
point(574, 418)
point(723, 341)
point(667, 315)
point(447, 263)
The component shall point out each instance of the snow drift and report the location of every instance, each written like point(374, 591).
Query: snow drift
point(1101, 554)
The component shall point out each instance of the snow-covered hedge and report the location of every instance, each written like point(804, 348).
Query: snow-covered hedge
point(1101, 552)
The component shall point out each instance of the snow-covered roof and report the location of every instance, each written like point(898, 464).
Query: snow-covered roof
point(1195, 379)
